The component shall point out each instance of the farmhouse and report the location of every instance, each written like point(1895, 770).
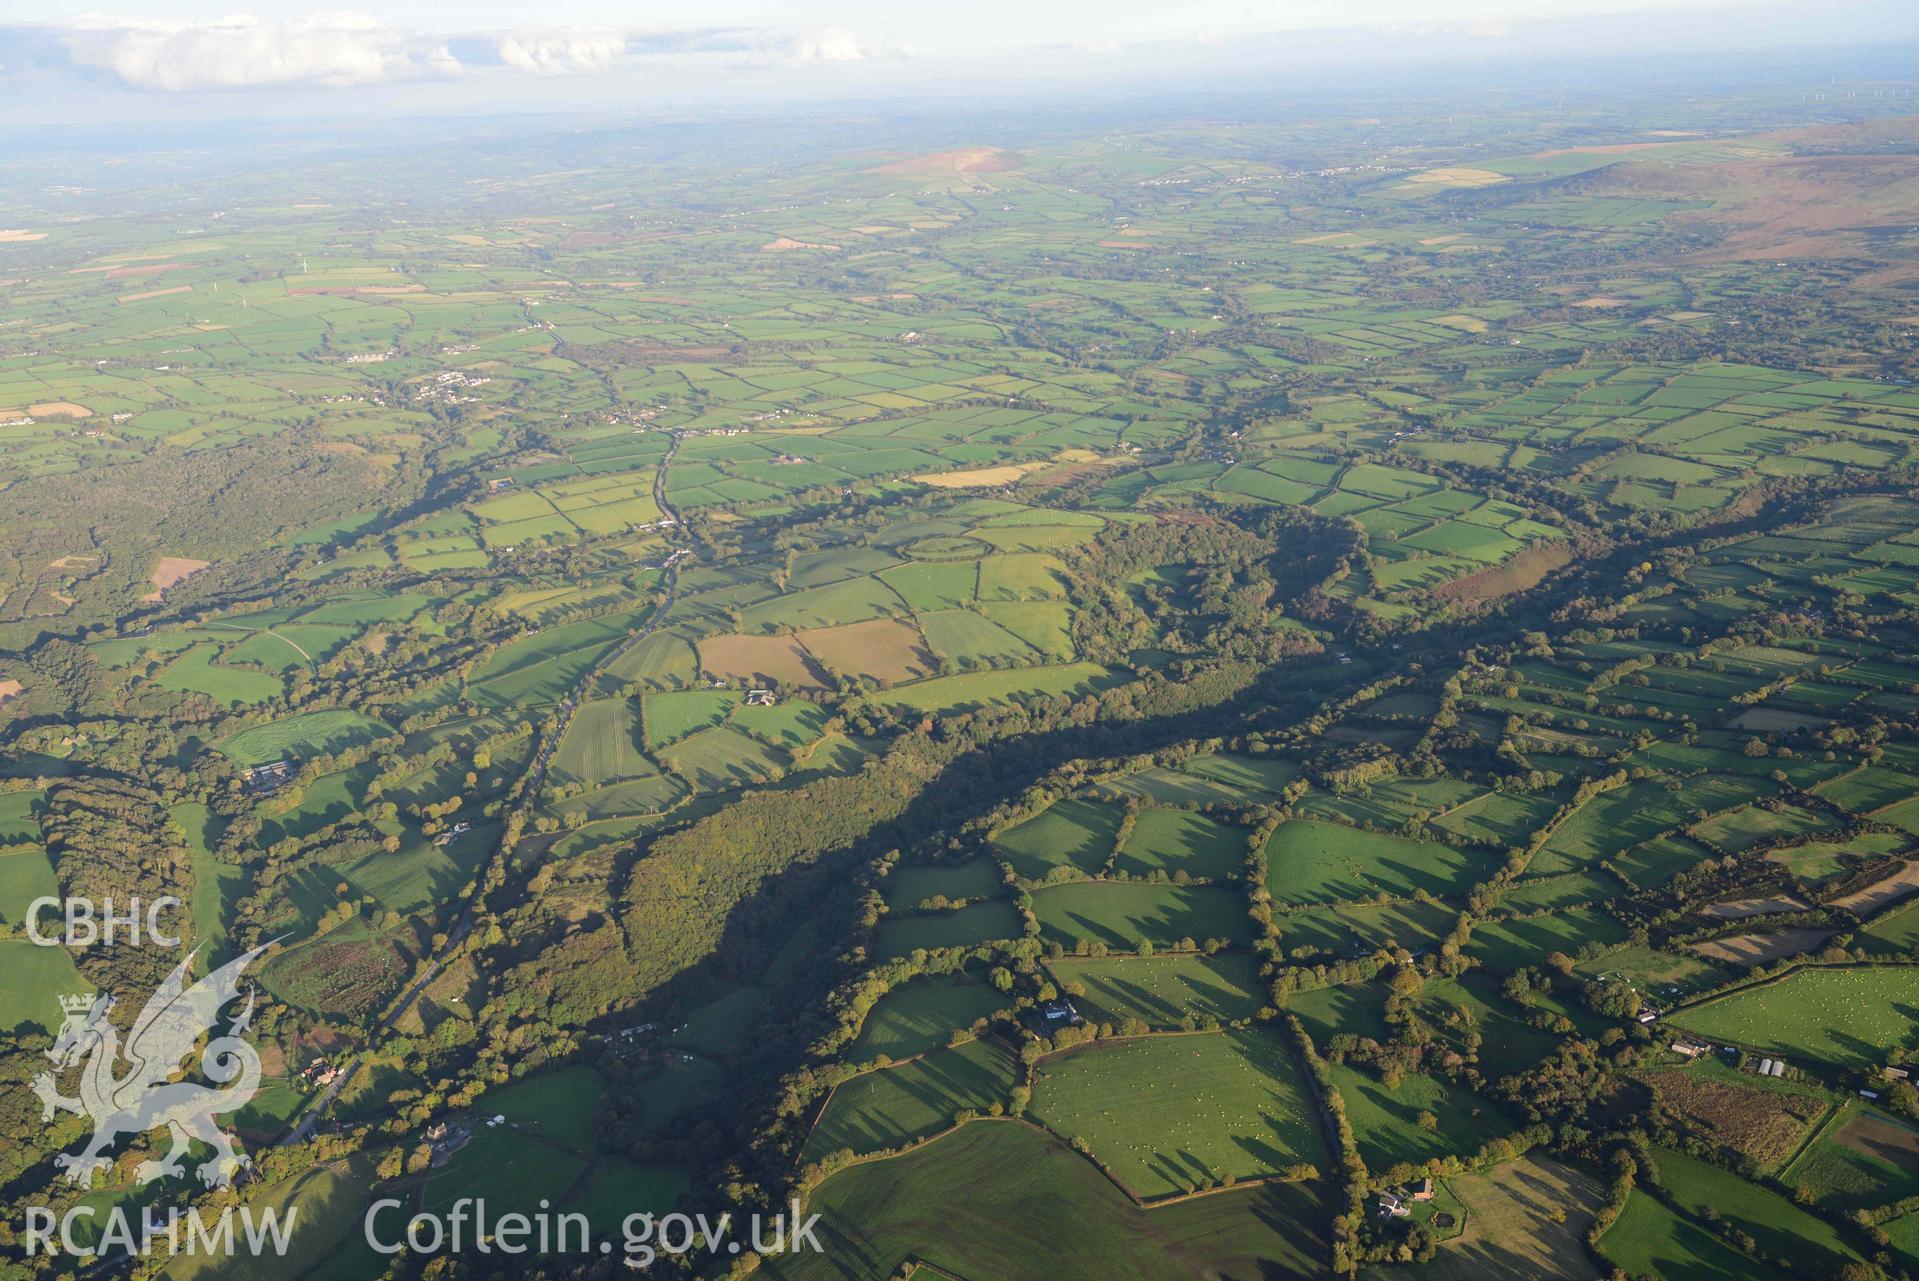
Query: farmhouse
point(1689, 1049)
point(1061, 1011)
point(1422, 1190)
point(319, 1072)
point(760, 698)
point(271, 777)
point(1392, 1207)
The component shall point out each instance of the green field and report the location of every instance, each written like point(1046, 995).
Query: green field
point(909, 886)
point(1162, 990)
point(895, 1106)
point(993, 919)
point(302, 737)
point(1782, 1229)
point(616, 1189)
point(1168, 1114)
point(1073, 833)
point(603, 745)
point(1309, 861)
point(922, 1016)
point(35, 976)
point(217, 886)
point(1650, 1240)
point(325, 1203)
point(1847, 1016)
point(557, 1105)
point(1122, 916)
point(990, 1198)
point(1172, 841)
point(1386, 1119)
point(670, 717)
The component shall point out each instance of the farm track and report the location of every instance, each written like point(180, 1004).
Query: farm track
point(312, 1115)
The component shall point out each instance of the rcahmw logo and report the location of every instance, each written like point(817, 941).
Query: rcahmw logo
point(145, 1098)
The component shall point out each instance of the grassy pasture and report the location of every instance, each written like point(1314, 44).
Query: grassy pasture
point(672, 716)
point(902, 935)
point(325, 1204)
point(893, 1106)
point(1359, 1008)
point(197, 672)
point(1181, 841)
point(511, 1172)
point(602, 745)
point(789, 725)
point(545, 666)
point(1386, 1121)
point(1782, 1229)
point(20, 817)
point(1650, 1240)
point(616, 1188)
point(717, 1027)
point(1610, 823)
point(723, 757)
point(1204, 779)
point(1168, 1113)
point(1515, 941)
point(989, 1199)
point(968, 639)
point(909, 886)
point(1504, 819)
point(1075, 832)
point(559, 1104)
point(35, 975)
point(1350, 929)
point(1124, 915)
point(25, 875)
point(303, 737)
point(1312, 861)
point(217, 886)
point(1044, 625)
point(922, 1016)
point(1161, 990)
point(1847, 1016)
point(659, 660)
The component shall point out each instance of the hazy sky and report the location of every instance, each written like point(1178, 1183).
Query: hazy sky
point(59, 58)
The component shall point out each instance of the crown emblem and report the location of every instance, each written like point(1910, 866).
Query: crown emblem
point(77, 1003)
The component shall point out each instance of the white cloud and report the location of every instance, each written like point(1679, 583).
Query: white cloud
point(347, 49)
point(563, 53)
point(832, 46)
point(338, 49)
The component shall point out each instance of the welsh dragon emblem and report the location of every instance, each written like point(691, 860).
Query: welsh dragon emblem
point(141, 1098)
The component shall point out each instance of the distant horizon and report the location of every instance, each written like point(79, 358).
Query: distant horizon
point(95, 69)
